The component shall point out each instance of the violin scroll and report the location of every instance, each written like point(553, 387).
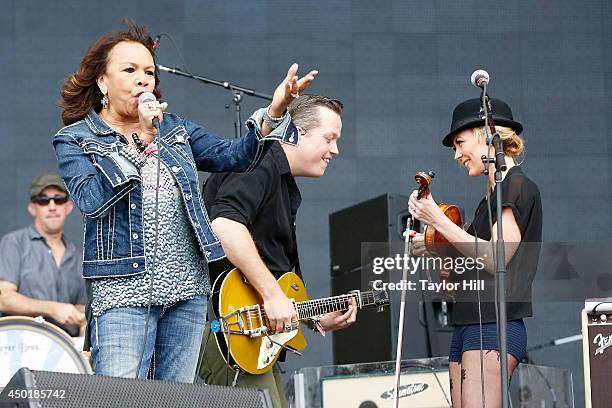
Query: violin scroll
point(434, 240)
point(424, 180)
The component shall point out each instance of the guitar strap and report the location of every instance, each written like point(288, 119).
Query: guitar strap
point(296, 265)
point(295, 199)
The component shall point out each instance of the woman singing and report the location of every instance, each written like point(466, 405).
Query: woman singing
point(147, 237)
point(522, 233)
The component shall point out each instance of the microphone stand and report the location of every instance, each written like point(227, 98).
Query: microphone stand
point(236, 90)
point(500, 166)
point(556, 342)
point(236, 99)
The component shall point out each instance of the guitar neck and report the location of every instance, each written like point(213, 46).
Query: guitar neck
point(316, 307)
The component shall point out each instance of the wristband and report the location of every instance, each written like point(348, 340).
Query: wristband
point(272, 121)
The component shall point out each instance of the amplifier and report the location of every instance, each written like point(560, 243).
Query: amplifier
point(417, 390)
point(597, 352)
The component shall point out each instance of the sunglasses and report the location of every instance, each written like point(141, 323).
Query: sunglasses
point(44, 200)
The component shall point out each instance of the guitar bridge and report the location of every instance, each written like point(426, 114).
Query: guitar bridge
point(248, 322)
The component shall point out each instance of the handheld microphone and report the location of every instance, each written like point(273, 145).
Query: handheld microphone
point(480, 78)
point(149, 97)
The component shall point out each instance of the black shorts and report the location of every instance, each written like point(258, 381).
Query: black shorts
point(467, 337)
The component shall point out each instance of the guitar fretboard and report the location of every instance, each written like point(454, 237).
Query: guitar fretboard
point(317, 307)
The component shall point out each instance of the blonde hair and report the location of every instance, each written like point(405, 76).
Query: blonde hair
point(513, 144)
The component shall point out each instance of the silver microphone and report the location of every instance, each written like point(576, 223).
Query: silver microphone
point(149, 97)
point(146, 97)
point(480, 78)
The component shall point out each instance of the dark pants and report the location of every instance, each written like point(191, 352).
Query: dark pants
point(214, 370)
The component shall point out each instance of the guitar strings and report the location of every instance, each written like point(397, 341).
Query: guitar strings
point(316, 306)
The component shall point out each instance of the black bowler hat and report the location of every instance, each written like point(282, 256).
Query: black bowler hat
point(467, 115)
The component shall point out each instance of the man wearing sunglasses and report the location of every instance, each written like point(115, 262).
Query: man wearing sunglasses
point(40, 272)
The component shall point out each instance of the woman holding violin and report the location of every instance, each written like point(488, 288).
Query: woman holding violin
point(474, 314)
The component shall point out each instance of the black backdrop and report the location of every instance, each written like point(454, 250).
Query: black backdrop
point(399, 66)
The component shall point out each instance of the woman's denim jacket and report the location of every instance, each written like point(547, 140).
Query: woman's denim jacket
point(106, 187)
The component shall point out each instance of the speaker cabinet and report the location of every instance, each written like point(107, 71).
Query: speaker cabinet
point(45, 389)
point(381, 220)
point(597, 354)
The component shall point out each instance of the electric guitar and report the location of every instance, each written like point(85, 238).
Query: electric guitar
point(243, 329)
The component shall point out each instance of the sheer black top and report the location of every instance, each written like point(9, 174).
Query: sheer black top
point(522, 196)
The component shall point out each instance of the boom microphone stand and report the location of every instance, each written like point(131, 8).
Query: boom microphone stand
point(500, 166)
point(236, 90)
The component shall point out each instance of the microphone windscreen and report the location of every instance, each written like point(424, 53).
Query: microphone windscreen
point(478, 77)
point(146, 97)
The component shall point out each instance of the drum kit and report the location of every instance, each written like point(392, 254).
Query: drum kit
point(38, 345)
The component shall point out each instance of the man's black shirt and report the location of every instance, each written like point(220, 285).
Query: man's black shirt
point(266, 201)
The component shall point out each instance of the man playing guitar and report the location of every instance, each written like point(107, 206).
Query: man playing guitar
point(254, 214)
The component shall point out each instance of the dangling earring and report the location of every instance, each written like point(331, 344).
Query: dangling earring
point(104, 101)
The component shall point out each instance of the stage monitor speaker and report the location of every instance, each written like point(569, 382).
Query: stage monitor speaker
point(426, 331)
point(380, 219)
point(45, 389)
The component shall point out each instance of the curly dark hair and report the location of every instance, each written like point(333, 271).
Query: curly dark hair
point(80, 92)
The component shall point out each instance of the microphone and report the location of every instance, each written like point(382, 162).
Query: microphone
point(156, 42)
point(480, 78)
point(149, 97)
point(166, 69)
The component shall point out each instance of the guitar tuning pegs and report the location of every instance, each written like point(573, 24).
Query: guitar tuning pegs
point(431, 174)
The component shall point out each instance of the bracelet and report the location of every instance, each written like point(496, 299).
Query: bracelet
point(315, 325)
point(272, 121)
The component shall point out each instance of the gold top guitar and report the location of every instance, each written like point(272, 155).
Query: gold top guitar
point(243, 327)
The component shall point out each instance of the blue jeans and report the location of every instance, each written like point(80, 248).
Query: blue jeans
point(173, 341)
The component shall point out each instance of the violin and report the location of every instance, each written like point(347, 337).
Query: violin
point(435, 242)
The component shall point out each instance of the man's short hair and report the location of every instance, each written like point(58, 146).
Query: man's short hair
point(303, 110)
